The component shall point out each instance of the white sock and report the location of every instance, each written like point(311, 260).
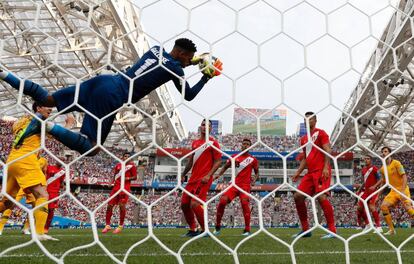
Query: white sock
point(3, 74)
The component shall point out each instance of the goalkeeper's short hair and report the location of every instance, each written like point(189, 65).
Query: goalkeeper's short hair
point(185, 44)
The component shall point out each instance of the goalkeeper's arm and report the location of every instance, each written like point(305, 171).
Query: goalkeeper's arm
point(190, 92)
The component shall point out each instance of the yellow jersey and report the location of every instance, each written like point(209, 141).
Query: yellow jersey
point(30, 143)
point(395, 171)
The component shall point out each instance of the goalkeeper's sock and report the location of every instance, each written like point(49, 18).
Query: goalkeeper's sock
point(220, 212)
point(246, 213)
point(199, 213)
point(108, 216)
point(34, 90)
point(189, 217)
point(4, 218)
point(387, 218)
point(329, 214)
point(303, 214)
point(122, 213)
point(376, 217)
point(49, 218)
point(70, 139)
point(40, 215)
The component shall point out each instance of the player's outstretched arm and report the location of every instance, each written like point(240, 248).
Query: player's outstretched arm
point(190, 92)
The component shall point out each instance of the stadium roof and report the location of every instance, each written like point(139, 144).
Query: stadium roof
point(54, 43)
point(380, 109)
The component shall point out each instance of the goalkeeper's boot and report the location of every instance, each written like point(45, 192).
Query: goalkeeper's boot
point(118, 230)
point(246, 233)
point(217, 231)
point(390, 233)
point(328, 236)
point(309, 234)
point(106, 229)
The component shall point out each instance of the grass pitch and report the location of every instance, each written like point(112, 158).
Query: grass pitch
point(261, 248)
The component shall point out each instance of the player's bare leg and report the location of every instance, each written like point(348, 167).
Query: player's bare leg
point(385, 209)
point(109, 211)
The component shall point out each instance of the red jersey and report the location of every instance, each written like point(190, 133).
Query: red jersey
point(203, 158)
point(244, 166)
point(370, 175)
point(315, 159)
point(130, 172)
point(55, 176)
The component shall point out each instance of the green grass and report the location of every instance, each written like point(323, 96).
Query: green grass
point(258, 249)
point(276, 127)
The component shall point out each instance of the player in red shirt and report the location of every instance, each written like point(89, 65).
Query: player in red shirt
point(245, 163)
point(371, 177)
point(204, 163)
point(318, 177)
point(55, 177)
point(122, 198)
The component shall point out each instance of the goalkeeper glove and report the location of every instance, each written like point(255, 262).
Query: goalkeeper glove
point(209, 70)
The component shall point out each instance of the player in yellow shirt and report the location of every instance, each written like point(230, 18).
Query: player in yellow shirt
point(397, 179)
point(30, 199)
point(24, 167)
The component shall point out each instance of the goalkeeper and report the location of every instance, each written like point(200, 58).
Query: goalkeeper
point(103, 94)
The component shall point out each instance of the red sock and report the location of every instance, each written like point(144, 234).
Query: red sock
point(376, 218)
point(246, 213)
point(364, 216)
point(108, 215)
point(303, 214)
point(189, 216)
point(122, 213)
point(49, 218)
point(199, 213)
point(329, 214)
point(220, 212)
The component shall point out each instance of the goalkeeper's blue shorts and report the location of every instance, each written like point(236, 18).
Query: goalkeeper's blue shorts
point(100, 96)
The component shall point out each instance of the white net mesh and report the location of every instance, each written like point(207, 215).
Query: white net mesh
point(294, 55)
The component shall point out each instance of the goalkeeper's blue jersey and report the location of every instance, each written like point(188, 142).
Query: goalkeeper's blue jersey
point(151, 74)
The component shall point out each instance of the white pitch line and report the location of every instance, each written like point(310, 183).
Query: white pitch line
point(195, 254)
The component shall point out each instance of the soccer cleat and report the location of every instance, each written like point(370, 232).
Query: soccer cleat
point(378, 230)
point(217, 232)
point(26, 232)
point(328, 236)
point(45, 237)
point(390, 233)
point(106, 229)
point(246, 233)
point(300, 233)
point(118, 230)
point(191, 233)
